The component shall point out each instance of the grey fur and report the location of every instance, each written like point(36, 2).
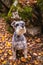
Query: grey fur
point(19, 41)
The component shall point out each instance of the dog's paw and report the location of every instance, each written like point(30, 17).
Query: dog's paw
point(25, 56)
point(14, 58)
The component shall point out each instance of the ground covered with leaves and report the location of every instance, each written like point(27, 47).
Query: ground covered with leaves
point(35, 48)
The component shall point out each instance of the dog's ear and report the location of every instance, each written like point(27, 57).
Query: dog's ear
point(13, 24)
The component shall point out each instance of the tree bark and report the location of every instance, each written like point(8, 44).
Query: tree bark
point(4, 5)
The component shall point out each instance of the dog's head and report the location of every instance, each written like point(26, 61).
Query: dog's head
point(19, 27)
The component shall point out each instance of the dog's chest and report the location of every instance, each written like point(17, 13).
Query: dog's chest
point(19, 41)
point(18, 38)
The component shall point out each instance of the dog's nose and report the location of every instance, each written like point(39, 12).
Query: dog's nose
point(22, 26)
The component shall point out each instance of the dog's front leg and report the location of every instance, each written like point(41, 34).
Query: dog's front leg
point(14, 53)
point(25, 52)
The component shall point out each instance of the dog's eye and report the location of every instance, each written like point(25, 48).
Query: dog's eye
point(17, 25)
point(23, 24)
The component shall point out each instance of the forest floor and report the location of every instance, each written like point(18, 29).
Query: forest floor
point(35, 48)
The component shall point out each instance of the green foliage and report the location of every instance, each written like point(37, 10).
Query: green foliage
point(3, 15)
point(0, 6)
point(10, 29)
point(13, 0)
point(9, 13)
point(25, 13)
point(12, 8)
point(40, 3)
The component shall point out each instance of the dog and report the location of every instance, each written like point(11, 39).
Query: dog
point(18, 40)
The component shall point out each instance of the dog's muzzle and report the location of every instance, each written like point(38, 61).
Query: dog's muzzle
point(20, 30)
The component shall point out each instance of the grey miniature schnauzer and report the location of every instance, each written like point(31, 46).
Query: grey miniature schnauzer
point(18, 39)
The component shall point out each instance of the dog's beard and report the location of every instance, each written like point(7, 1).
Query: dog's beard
point(20, 30)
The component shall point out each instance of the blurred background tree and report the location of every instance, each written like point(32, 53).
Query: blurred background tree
point(31, 11)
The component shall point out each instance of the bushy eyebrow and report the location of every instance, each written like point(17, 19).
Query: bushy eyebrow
point(20, 23)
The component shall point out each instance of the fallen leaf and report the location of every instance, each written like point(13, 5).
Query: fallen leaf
point(1, 47)
point(35, 54)
point(29, 57)
point(39, 53)
point(10, 52)
point(8, 44)
point(38, 40)
point(3, 38)
point(0, 51)
point(36, 62)
point(10, 63)
point(19, 61)
point(5, 54)
point(10, 58)
point(23, 59)
point(15, 63)
point(4, 62)
point(2, 58)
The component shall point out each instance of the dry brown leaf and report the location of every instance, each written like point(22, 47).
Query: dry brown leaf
point(35, 54)
point(36, 62)
point(15, 63)
point(10, 52)
point(4, 62)
point(19, 61)
point(29, 57)
point(42, 53)
point(29, 64)
point(1, 47)
point(2, 58)
point(22, 1)
point(38, 40)
point(39, 53)
point(10, 63)
point(32, 1)
point(23, 59)
point(10, 58)
point(5, 54)
point(0, 51)
point(8, 44)
point(3, 38)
